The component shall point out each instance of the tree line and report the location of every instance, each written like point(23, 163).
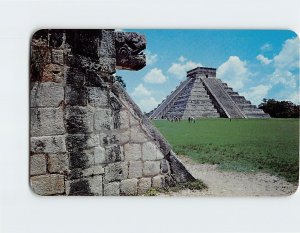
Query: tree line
point(280, 109)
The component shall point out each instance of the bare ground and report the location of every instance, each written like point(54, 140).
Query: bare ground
point(231, 183)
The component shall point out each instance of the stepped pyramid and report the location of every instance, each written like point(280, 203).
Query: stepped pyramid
point(203, 95)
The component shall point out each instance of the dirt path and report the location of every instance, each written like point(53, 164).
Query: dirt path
point(225, 183)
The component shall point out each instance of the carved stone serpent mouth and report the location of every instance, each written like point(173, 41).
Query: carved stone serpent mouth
point(130, 50)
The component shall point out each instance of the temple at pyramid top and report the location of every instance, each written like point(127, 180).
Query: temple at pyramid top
point(201, 95)
point(204, 72)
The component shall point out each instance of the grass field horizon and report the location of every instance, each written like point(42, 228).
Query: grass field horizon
point(245, 145)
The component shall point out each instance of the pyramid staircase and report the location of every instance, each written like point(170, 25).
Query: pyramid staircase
point(222, 97)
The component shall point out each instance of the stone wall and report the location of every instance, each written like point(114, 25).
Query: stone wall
point(87, 137)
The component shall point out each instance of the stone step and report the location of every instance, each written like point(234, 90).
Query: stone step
point(200, 101)
point(228, 89)
point(201, 115)
point(247, 106)
point(231, 92)
point(254, 111)
point(195, 95)
point(240, 99)
point(258, 115)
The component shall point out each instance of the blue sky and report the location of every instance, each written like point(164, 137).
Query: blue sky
point(256, 63)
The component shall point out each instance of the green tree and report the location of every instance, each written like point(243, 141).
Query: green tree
point(121, 81)
point(280, 109)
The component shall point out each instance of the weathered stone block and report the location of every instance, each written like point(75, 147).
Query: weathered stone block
point(56, 38)
point(58, 163)
point(75, 142)
point(53, 73)
point(76, 95)
point(107, 44)
point(79, 187)
point(93, 140)
point(135, 169)
point(114, 153)
point(144, 184)
point(47, 94)
point(158, 181)
point(74, 77)
point(107, 139)
point(123, 137)
point(156, 136)
point(87, 158)
point(116, 107)
point(164, 166)
point(48, 144)
point(99, 155)
point(115, 172)
point(124, 119)
point(38, 164)
point(97, 97)
point(95, 80)
point(151, 152)
point(132, 152)
point(79, 119)
point(74, 173)
point(41, 54)
point(46, 121)
point(128, 187)
point(48, 184)
point(159, 154)
point(107, 65)
point(133, 120)
point(80, 159)
point(103, 119)
point(112, 189)
point(58, 56)
point(151, 168)
point(137, 135)
point(95, 183)
point(93, 170)
point(90, 186)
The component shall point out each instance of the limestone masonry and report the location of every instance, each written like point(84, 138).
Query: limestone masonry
point(87, 136)
point(203, 95)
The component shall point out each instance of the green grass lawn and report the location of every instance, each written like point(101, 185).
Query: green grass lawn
point(246, 145)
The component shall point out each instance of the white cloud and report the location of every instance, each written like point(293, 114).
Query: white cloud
point(284, 77)
point(266, 47)
point(263, 60)
point(150, 58)
point(234, 72)
point(144, 98)
point(285, 62)
point(155, 76)
point(288, 57)
point(147, 104)
point(180, 69)
point(140, 90)
point(182, 59)
point(257, 93)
